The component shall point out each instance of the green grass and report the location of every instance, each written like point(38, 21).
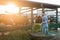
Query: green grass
point(16, 35)
point(21, 34)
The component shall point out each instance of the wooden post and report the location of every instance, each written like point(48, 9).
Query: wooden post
point(19, 11)
point(32, 17)
point(56, 15)
point(42, 8)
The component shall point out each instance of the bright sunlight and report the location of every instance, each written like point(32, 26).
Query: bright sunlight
point(9, 9)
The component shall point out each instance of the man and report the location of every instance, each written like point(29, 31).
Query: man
point(45, 23)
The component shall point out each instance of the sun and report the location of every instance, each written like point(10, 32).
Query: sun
point(12, 8)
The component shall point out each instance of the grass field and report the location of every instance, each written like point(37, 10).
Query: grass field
point(21, 33)
point(16, 35)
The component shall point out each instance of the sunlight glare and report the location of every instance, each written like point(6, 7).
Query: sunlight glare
point(11, 8)
point(2, 9)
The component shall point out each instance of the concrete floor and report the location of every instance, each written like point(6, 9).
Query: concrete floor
point(40, 36)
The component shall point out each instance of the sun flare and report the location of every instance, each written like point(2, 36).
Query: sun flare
point(9, 9)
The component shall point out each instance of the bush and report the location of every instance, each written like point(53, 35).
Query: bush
point(36, 28)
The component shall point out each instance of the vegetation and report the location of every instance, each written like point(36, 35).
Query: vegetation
point(22, 33)
point(16, 35)
point(37, 27)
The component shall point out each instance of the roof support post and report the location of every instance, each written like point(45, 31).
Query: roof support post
point(31, 18)
point(56, 15)
point(42, 8)
point(19, 11)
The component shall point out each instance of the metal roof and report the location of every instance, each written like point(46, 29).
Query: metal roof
point(38, 5)
point(27, 3)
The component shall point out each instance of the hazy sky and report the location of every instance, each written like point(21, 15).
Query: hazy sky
point(57, 2)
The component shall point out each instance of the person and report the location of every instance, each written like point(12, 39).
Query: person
point(44, 23)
